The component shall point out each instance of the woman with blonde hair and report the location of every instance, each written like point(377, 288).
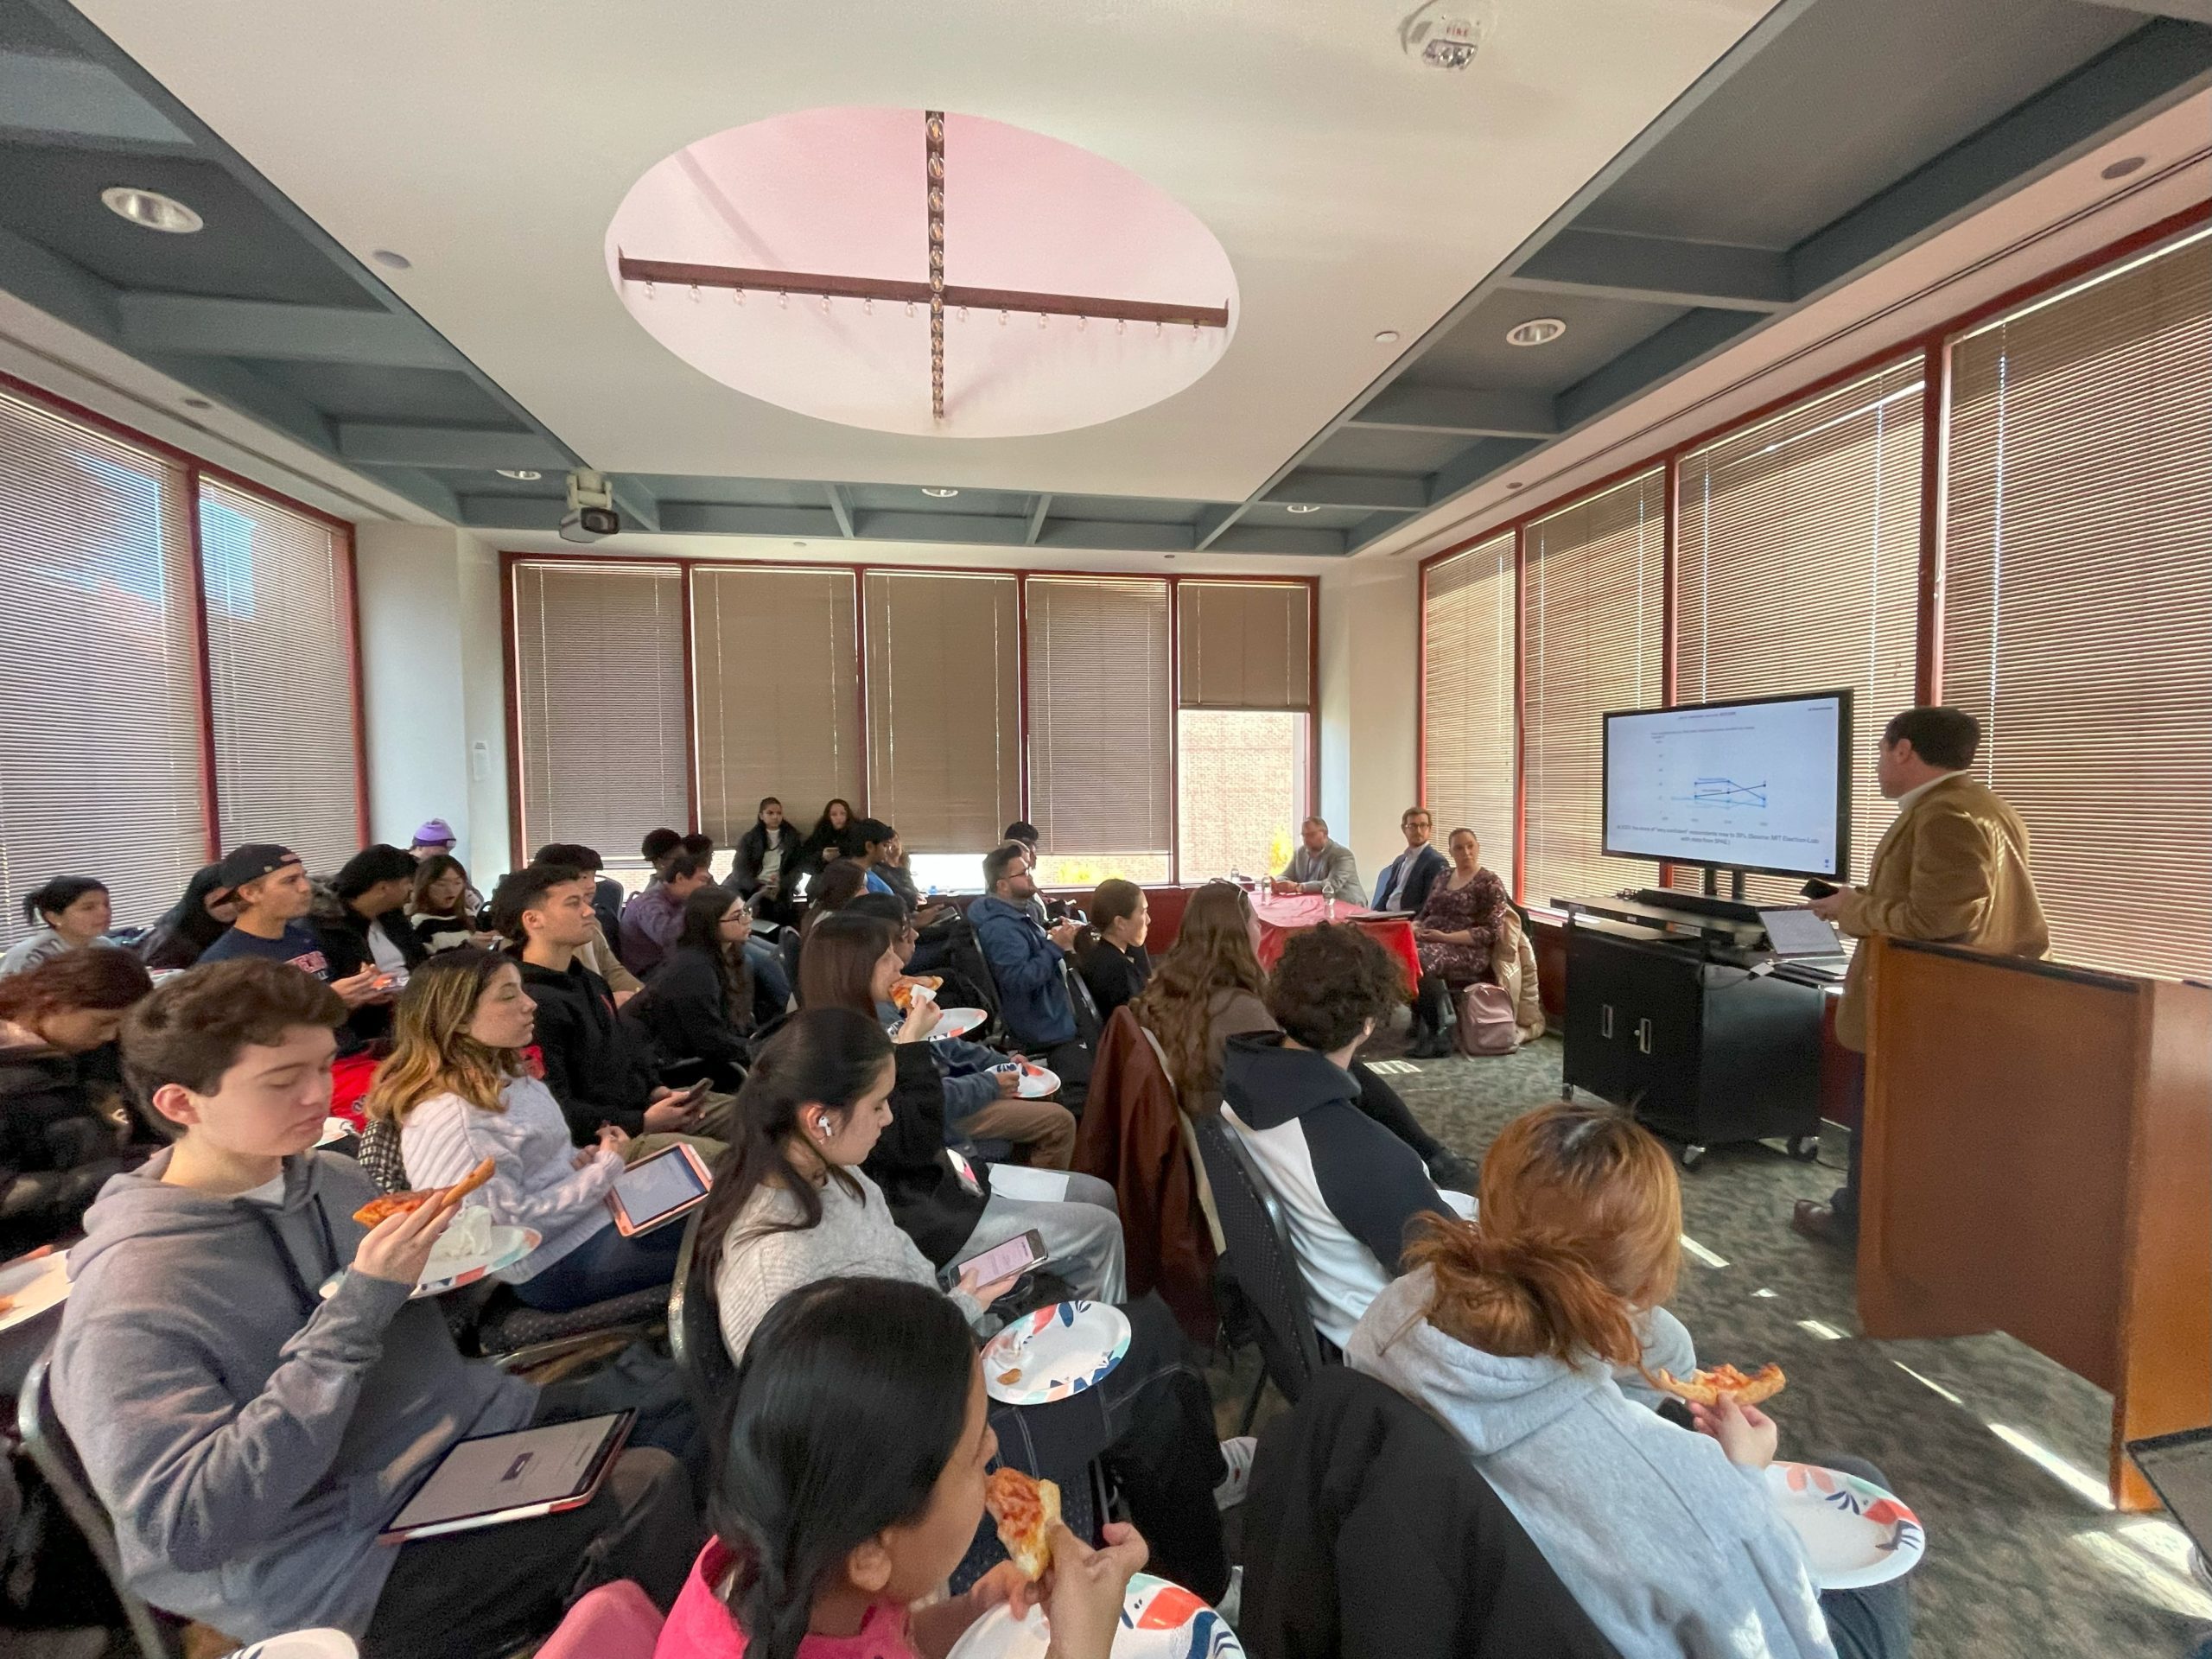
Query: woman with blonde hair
point(1507, 1330)
point(1210, 987)
point(457, 1086)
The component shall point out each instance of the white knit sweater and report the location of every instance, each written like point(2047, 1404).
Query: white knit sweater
point(535, 1181)
point(856, 1237)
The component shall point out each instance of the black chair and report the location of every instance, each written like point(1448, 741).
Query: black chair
point(152, 1633)
point(1262, 1264)
point(695, 1335)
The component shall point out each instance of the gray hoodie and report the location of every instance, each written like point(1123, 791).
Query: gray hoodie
point(1670, 1548)
point(249, 1437)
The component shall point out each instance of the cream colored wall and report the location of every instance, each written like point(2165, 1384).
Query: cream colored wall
point(431, 673)
point(1370, 658)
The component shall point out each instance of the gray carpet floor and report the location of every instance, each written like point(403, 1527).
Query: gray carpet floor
point(1998, 1450)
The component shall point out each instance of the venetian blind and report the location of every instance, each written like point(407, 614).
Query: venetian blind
point(1245, 644)
point(1797, 569)
point(2077, 608)
point(1467, 735)
point(280, 676)
point(775, 663)
point(1101, 772)
point(99, 671)
point(1592, 621)
point(943, 706)
point(598, 666)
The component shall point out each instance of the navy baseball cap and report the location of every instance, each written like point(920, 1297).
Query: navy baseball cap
point(252, 861)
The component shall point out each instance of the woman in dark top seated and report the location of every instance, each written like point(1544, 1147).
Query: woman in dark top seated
point(61, 1131)
point(1454, 932)
point(192, 923)
point(702, 1002)
point(766, 864)
point(1116, 966)
point(831, 838)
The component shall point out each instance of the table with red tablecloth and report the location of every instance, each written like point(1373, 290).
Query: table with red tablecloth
point(1279, 917)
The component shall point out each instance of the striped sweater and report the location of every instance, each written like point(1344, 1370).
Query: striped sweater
point(536, 1182)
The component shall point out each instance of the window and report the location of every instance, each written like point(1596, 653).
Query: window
point(101, 763)
point(280, 676)
point(776, 672)
point(1099, 713)
point(2077, 599)
point(1592, 612)
point(1244, 789)
point(1245, 724)
point(1797, 569)
point(599, 694)
point(943, 671)
point(1468, 741)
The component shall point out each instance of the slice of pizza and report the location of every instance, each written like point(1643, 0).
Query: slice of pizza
point(1025, 1509)
point(1713, 1383)
point(384, 1206)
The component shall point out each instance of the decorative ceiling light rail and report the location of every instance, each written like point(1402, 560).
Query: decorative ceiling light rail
point(936, 293)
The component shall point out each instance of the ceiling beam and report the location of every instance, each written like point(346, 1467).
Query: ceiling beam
point(448, 448)
point(247, 392)
point(1375, 524)
point(677, 273)
point(1673, 349)
point(2160, 65)
point(987, 529)
point(61, 287)
point(1273, 538)
point(721, 519)
point(1213, 522)
point(838, 507)
point(2195, 11)
point(1656, 270)
point(1471, 411)
point(1477, 463)
point(1038, 509)
point(1372, 490)
point(189, 325)
point(424, 489)
point(511, 511)
point(48, 98)
point(1111, 535)
point(639, 507)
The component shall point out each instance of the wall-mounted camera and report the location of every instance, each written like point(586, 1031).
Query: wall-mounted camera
point(591, 516)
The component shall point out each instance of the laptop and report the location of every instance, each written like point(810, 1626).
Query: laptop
point(2179, 1469)
point(1800, 939)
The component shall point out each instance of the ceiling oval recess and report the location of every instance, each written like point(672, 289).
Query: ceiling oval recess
point(917, 271)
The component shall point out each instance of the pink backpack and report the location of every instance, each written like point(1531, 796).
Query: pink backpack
point(1486, 1023)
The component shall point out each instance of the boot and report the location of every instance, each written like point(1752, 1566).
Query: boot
point(1430, 1041)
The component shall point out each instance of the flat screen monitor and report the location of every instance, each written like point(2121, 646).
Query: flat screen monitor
point(1763, 785)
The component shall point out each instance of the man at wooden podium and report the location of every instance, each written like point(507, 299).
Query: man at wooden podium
point(1953, 868)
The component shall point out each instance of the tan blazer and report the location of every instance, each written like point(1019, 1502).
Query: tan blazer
point(1954, 867)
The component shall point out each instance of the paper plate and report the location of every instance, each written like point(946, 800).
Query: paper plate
point(956, 1022)
point(1054, 1352)
point(508, 1246)
point(1160, 1620)
point(335, 1129)
point(1037, 1081)
point(32, 1285)
point(302, 1644)
point(1854, 1533)
point(1462, 1205)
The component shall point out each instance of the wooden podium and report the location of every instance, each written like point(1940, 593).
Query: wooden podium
point(2038, 1160)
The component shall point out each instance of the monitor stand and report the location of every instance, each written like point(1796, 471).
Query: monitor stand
point(1713, 884)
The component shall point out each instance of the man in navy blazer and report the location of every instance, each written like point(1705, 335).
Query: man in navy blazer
point(1406, 880)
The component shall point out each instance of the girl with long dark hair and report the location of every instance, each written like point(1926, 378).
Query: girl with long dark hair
point(850, 1486)
point(796, 1201)
point(442, 906)
point(702, 1002)
point(835, 836)
point(764, 864)
point(456, 1085)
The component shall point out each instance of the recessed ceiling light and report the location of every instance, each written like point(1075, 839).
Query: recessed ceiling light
point(520, 475)
point(1513, 484)
point(198, 403)
point(151, 209)
point(2125, 165)
point(1537, 331)
point(941, 493)
point(1387, 337)
point(799, 543)
point(1303, 507)
point(392, 261)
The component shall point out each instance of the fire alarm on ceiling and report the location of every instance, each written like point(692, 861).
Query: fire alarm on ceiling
point(1447, 34)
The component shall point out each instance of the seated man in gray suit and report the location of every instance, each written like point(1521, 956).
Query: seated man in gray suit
point(1322, 866)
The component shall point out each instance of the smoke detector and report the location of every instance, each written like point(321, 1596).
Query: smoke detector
point(1447, 34)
